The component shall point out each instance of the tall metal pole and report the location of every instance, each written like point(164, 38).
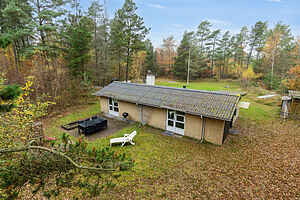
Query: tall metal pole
point(188, 71)
point(105, 10)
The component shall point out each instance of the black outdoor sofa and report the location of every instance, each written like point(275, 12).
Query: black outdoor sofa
point(93, 125)
point(87, 126)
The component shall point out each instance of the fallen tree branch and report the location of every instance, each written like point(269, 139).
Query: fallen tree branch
point(26, 148)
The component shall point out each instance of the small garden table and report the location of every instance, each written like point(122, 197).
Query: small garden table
point(92, 126)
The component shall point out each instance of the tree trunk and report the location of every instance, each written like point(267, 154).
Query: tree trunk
point(40, 21)
point(257, 58)
point(212, 58)
point(249, 57)
point(16, 58)
point(105, 49)
point(127, 61)
point(96, 51)
point(272, 72)
point(119, 65)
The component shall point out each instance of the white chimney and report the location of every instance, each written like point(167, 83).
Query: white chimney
point(150, 79)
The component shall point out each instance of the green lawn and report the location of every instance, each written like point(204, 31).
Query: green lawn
point(182, 168)
point(204, 85)
point(76, 113)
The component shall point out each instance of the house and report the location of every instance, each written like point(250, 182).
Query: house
point(202, 115)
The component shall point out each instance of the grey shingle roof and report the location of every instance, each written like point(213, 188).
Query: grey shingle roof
point(294, 94)
point(219, 105)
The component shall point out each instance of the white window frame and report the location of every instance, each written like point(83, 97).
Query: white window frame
point(112, 105)
point(173, 128)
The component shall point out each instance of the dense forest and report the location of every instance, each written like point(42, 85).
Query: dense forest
point(67, 49)
point(259, 52)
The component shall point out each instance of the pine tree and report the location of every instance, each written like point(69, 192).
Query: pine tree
point(150, 61)
point(168, 50)
point(47, 16)
point(77, 37)
point(223, 51)
point(255, 38)
point(7, 94)
point(95, 11)
point(212, 45)
point(17, 28)
point(203, 34)
point(117, 44)
point(100, 40)
point(238, 48)
point(180, 66)
point(133, 30)
point(278, 49)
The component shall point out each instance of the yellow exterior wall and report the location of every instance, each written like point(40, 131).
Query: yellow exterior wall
point(104, 104)
point(155, 117)
point(214, 130)
point(132, 109)
point(193, 126)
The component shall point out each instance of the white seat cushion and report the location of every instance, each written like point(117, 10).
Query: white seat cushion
point(117, 140)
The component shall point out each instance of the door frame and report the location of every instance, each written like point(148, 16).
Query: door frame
point(173, 128)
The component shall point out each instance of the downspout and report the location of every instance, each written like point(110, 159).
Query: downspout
point(235, 117)
point(203, 129)
point(141, 114)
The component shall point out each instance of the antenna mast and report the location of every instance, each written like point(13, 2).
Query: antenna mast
point(105, 9)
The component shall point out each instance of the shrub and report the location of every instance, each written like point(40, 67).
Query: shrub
point(270, 83)
point(40, 169)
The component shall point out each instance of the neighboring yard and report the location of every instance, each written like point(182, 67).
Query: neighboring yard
point(260, 163)
point(203, 85)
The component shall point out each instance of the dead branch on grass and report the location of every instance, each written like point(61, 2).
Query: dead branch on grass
point(29, 147)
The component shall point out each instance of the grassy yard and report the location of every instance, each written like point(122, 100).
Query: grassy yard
point(260, 163)
point(77, 113)
point(250, 166)
point(204, 85)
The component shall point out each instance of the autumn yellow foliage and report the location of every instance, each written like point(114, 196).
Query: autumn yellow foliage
point(293, 82)
point(249, 74)
point(16, 125)
point(137, 65)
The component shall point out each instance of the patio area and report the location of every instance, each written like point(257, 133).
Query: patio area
point(113, 126)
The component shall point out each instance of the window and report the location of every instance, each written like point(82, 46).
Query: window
point(171, 114)
point(179, 125)
point(180, 118)
point(170, 123)
point(113, 107)
point(175, 121)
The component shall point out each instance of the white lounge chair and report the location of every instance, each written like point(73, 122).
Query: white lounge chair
point(125, 139)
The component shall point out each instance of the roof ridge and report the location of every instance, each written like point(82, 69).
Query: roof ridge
point(181, 89)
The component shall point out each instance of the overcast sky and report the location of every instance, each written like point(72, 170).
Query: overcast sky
point(173, 17)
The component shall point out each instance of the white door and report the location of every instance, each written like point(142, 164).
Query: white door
point(175, 121)
point(113, 107)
